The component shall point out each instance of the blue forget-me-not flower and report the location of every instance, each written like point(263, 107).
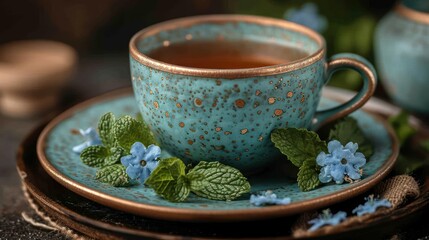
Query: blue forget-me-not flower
point(92, 139)
point(307, 16)
point(340, 163)
point(371, 205)
point(327, 218)
point(142, 161)
point(268, 198)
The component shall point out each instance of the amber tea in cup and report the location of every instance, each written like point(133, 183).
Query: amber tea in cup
point(221, 54)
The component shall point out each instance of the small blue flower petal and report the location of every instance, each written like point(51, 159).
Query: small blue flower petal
point(91, 139)
point(152, 153)
point(330, 160)
point(316, 225)
point(145, 173)
point(341, 153)
point(337, 173)
point(79, 148)
point(333, 145)
point(327, 218)
point(133, 171)
point(352, 172)
point(142, 161)
point(91, 134)
point(359, 160)
point(340, 162)
point(325, 175)
point(371, 205)
point(138, 150)
point(320, 159)
point(268, 198)
point(127, 160)
point(152, 165)
point(352, 147)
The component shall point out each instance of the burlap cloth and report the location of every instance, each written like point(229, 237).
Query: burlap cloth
point(398, 190)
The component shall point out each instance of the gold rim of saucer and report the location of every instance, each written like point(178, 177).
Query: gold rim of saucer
point(226, 73)
point(412, 14)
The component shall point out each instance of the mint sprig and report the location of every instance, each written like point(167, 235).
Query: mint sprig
point(298, 144)
point(117, 136)
point(169, 180)
point(308, 176)
point(211, 180)
point(347, 130)
point(301, 147)
point(106, 125)
point(100, 156)
point(94, 156)
point(114, 175)
point(128, 130)
point(217, 181)
point(107, 154)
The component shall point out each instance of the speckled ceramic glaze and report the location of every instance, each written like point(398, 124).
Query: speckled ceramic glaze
point(227, 115)
point(56, 156)
point(402, 54)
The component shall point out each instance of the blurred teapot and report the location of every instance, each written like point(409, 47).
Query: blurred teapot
point(401, 48)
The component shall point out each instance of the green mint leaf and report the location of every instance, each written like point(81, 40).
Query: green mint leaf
point(308, 176)
point(169, 181)
point(105, 129)
point(100, 156)
point(114, 156)
point(216, 181)
point(299, 145)
point(127, 131)
point(147, 136)
point(402, 126)
point(347, 130)
point(94, 156)
point(114, 175)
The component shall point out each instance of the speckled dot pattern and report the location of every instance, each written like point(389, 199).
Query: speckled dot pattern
point(60, 140)
point(226, 120)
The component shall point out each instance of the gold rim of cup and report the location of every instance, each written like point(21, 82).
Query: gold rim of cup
point(226, 73)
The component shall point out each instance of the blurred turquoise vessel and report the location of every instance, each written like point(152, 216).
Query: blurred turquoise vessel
point(402, 54)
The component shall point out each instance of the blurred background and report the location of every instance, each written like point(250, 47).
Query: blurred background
point(100, 30)
point(105, 27)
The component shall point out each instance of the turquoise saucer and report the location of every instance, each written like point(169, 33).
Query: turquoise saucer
point(55, 153)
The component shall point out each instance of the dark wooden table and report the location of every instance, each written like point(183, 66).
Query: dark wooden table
point(95, 75)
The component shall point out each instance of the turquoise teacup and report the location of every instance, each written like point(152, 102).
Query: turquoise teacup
point(227, 115)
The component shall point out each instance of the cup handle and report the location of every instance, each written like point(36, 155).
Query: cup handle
point(367, 72)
